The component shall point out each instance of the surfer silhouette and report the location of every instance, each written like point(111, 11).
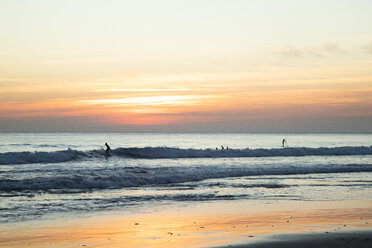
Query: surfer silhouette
point(107, 151)
point(284, 142)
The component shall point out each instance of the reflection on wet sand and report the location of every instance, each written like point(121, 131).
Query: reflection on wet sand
point(172, 229)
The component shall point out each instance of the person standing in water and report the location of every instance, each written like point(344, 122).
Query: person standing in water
point(284, 142)
point(107, 151)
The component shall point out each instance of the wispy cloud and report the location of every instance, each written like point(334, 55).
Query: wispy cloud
point(144, 90)
point(332, 48)
point(151, 100)
point(312, 52)
point(367, 48)
point(291, 52)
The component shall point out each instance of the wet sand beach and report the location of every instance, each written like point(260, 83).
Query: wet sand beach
point(222, 224)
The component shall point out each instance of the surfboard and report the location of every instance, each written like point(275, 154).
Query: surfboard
point(105, 154)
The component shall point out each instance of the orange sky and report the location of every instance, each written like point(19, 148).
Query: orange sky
point(61, 69)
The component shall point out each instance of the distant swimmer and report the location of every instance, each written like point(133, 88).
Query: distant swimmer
point(284, 142)
point(227, 148)
point(107, 151)
point(222, 148)
point(216, 148)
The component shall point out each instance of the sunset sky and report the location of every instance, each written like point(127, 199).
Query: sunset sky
point(186, 66)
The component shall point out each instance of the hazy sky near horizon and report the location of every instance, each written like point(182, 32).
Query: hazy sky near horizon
point(192, 65)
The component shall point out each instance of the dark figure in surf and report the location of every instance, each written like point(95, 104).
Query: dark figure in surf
point(284, 142)
point(107, 151)
point(222, 148)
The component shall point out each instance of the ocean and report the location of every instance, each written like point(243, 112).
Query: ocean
point(53, 175)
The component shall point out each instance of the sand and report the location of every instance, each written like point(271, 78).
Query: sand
point(212, 224)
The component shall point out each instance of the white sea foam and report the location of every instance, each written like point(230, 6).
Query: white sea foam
point(123, 177)
point(169, 152)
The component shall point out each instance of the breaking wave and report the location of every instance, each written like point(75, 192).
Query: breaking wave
point(167, 152)
point(171, 153)
point(67, 180)
point(38, 157)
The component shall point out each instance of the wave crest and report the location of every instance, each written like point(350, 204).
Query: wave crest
point(67, 181)
point(38, 157)
point(168, 152)
point(172, 153)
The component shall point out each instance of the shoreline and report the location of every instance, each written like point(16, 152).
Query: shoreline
point(352, 238)
point(213, 224)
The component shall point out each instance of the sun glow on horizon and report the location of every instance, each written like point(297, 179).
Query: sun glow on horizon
point(230, 67)
point(150, 100)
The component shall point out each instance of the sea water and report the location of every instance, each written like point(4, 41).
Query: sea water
point(48, 175)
